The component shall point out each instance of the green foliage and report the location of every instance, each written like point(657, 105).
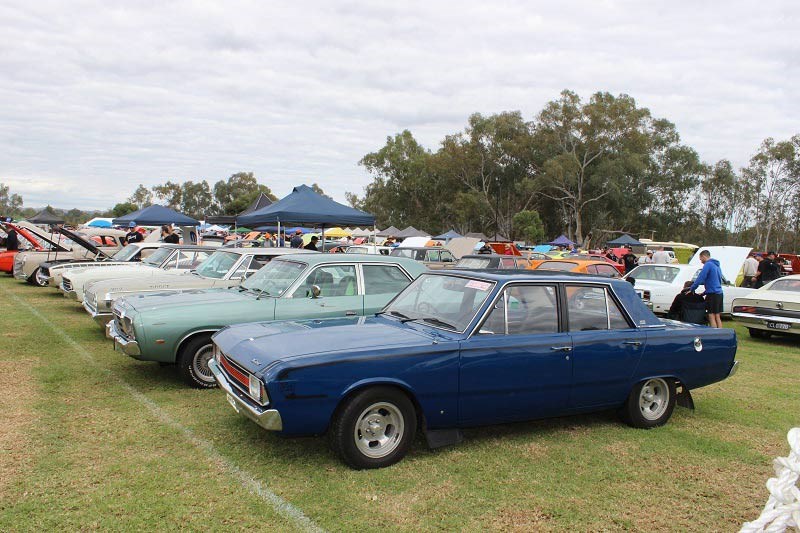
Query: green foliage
point(122, 209)
point(528, 227)
point(235, 194)
point(10, 203)
point(317, 189)
point(141, 197)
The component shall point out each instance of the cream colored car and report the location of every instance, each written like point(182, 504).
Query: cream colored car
point(772, 309)
point(75, 246)
point(50, 273)
point(227, 267)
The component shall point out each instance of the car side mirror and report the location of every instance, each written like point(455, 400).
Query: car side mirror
point(315, 291)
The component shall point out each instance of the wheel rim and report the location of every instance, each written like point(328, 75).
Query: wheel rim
point(200, 364)
point(654, 398)
point(40, 280)
point(379, 430)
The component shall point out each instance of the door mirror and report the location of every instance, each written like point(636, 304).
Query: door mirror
point(315, 291)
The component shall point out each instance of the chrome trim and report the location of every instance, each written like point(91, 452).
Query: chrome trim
point(269, 419)
point(101, 318)
point(734, 368)
point(752, 318)
point(122, 344)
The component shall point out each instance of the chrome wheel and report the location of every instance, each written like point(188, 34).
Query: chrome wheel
point(654, 399)
point(200, 364)
point(41, 279)
point(379, 430)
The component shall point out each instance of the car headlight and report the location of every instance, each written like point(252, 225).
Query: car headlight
point(255, 388)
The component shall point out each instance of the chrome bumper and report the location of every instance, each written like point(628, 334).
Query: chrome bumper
point(266, 418)
point(19, 273)
point(101, 318)
point(121, 344)
point(761, 320)
point(734, 368)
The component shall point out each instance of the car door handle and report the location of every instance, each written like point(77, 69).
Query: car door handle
point(633, 343)
point(561, 348)
point(350, 313)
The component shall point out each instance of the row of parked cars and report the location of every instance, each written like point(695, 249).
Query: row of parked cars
point(374, 349)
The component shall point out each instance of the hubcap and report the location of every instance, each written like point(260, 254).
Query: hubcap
point(200, 363)
point(379, 430)
point(653, 399)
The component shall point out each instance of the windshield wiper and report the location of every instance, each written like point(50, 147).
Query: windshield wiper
point(403, 318)
point(434, 320)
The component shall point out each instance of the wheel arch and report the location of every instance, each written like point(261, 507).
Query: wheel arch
point(190, 336)
point(394, 383)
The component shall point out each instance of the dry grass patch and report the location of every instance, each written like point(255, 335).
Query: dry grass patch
point(19, 394)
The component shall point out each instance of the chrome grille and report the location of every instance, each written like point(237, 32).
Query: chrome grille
point(66, 285)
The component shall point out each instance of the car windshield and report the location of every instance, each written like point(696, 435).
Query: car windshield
point(357, 250)
point(404, 252)
point(126, 254)
point(564, 266)
point(473, 262)
point(218, 264)
point(445, 302)
point(275, 277)
point(157, 257)
point(789, 285)
point(655, 273)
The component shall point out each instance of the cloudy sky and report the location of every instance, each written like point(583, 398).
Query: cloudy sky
point(98, 96)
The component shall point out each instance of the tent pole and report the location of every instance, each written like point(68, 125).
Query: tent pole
point(323, 238)
point(278, 240)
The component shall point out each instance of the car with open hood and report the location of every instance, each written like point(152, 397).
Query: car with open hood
point(772, 309)
point(73, 246)
point(226, 267)
point(177, 328)
point(168, 259)
point(462, 348)
point(27, 241)
point(659, 284)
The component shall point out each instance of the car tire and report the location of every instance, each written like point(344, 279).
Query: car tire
point(758, 333)
point(374, 428)
point(193, 362)
point(650, 403)
point(34, 278)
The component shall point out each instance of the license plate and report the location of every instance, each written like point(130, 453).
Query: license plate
point(233, 403)
point(778, 325)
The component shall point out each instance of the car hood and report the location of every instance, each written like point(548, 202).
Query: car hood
point(257, 345)
point(157, 281)
point(192, 298)
point(94, 272)
point(731, 259)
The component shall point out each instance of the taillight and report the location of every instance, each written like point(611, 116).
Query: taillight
point(744, 309)
point(646, 295)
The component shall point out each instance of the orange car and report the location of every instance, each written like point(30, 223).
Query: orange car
point(581, 266)
point(7, 257)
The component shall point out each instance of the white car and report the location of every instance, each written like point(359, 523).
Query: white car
point(774, 308)
point(660, 284)
point(170, 259)
point(368, 249)
point(50, 273)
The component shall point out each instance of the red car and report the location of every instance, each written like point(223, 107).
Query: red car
point(7, 256)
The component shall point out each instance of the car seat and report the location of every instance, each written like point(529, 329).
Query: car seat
point(346, 286)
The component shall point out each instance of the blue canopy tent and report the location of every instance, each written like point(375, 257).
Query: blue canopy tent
point(624, 240)
point(155, 215)
point(99, 223)
point(447, 236)
point(304, 207)
point(542, 248)
point(562, 240)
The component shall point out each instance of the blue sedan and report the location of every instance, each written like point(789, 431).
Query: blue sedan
point(467, 348)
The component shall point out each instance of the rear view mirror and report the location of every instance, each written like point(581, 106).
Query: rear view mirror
point(315, 291)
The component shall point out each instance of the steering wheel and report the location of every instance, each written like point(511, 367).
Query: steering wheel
point(425, 308)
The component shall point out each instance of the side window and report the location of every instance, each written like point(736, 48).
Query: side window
point(447, 257)
point(199, 257)
point(384, 279)
point(591, 269)
point(258, 262)
point(333, 280)
point(185, 259)
point(432, 255)
point(523, 263)
point(507, 262)
point(592, 308)
point(524, 310)
point(172, 261)
point(147, 252)
point(607, 271)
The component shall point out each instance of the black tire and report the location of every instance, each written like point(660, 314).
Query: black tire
point(34, 279)
point(758, 333)
point(193, 362)
point(391, 412)
point(643, 408)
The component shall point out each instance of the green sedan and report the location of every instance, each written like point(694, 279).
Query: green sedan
point(177, 328)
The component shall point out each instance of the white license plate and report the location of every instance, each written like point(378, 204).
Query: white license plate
point(778, 325)
point(233, 403)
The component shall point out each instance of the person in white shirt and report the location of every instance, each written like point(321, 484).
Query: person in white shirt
point(750, 270)
point(661, 257)
point(646, 259)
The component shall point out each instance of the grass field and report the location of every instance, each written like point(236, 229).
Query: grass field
point(91, 439)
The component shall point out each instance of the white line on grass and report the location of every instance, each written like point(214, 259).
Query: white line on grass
point(246, 479)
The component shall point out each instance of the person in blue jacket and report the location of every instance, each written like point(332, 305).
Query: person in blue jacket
point(711, 278)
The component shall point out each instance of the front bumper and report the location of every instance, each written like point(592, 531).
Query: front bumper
point(752, 320)
point(101, 318)
point(122, 344)
point(266, 418)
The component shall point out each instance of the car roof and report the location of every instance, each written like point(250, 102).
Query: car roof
point(503, 276)
point(314, 259)
point(263, 250)
point(576, 260)
point(418, 247)
point(188, 247)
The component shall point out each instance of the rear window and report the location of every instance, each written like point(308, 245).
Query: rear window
point(563, 266)
point(473, 262)
point(655, 272)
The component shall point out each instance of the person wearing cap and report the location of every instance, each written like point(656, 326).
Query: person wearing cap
point(629, 260)
point(297, 239)
point(313, 244)
point(768, 270)
point(133, 236)
point(750, 270)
